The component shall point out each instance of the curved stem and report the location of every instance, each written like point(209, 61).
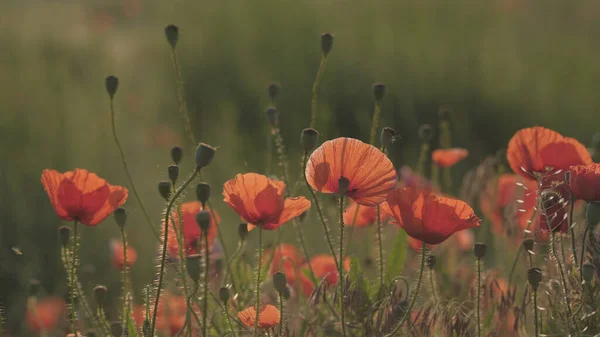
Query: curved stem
point(535, 312)
point(341, 282)
point(181, 97)
point(380, 244)
point(226, 309)
point(124, 276)
point(258, 272)
point(478, 297)
point(206, 276)
point(315, 91)
point(72, 279)
point(103, 321)
point(514, 265)
point(585, 235)
point(564, 284)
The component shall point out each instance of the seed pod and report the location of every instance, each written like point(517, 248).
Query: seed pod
point(112, 84)
point(224, 294)
point(203, 193)
point(425, 132)
point(388, 137)
point(479, 250)
point(534, 276)
point(309, 139)
point(243, 231)
point(192, 263)
point(100, 295)
point(326, 43)
point(172, 34)
point(120, 215)
point(204, 155)
point(378, 91)
point(203, 220)
point(279, 281)
point(173, 171)
point(164, 188)
point(274, 90)
point(176, 154)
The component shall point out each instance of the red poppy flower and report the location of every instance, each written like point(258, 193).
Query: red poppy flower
point(44, 314)
point(269, 317)
point(191, 230)
point(366, 216)
point(82, 196)
point(285, 258)
point(538, 150)
point(449, 157)
point(369, 171)
point(117, 258)
point(427, 217)
point(584, 182)
point(260, 202)
point(323, 266)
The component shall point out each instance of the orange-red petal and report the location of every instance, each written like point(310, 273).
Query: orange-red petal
point(584, 182)
point(449, 157)
point(51, 180)
point(366, 215)
point(45, 313)
point(268, 317)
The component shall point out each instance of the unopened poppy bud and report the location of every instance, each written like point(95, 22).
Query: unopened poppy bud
point(90, 333)
point(479, 250)
point(176, 154)
point(224, 294)
point(431, 260)
point(203, 220)
point(100, 295)
point(173, 171)
point(204, 155)
point(534, 276)
point(112, 84)
point(425, 132)
point(203, 193)
point(192, 263)
point(587, 272)
point(116, 328)
point(274, 90)
point(378, 91)
point(243, 231)
point(286, 293)
point(388, 137)
point(592, 214)
point(34, 287)
point(343, 185)
point(64, 233)
point(279, 281)
point(172, 33)
point(146, 327)
point(528, 244)
point(309, 139)
point(273, 116)
point(164, 188)
point(326, 43)
point(120, 215)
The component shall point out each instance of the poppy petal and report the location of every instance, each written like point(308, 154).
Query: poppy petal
point(51, 180)
point(449, 157)
point(564, 154)
point(117, 196)
point(292, 207)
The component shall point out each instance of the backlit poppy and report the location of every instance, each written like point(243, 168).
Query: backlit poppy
point(428, 217)
point(449, 157)
point(285, 258)
point(82, 196)
point(538, 150)
point(260, 202)
point(117, 258)
point(323, 266)
point(369, 171)
point(44, 314)
point(584, 182)
point(366, 215)
point(269, 317)
point(191, 230)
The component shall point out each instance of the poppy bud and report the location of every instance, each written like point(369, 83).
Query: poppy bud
point(112, 84)
point(479, 250)
point(286, 293)
point(64, 233)
point(274, 90)
point(279, 281)
point(592, 214)
point(528, 245)
point(431, 260)
point(116, 328)
point(34, 287)
point(100, 295)
point(146, 327)
point(588, 271)
point(224, 294)
point(534, 276)
point(90, 333)
point(309, 139)
point(425, 132)
point(173, 171)
point(203, 193)
point(204, 155)
point(243, 231)
point(203, 220)
point(343, 185)
point(172, 33)
point(273, 116)
point(326, 43)
point(164, 188)
point(378, 91)
point(176, 154)
point(388, 137)
point(192, 264)
point(120, 215)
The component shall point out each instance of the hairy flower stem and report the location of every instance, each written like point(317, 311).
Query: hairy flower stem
point(183, 110)
point(164, 248)
point(257, 286)
point(72, 279)
point(226, 309)
point(124, 276)
point(127, 173)
point(571, 227)
point(479, 262)
point(535, 312)
point(583, 240)
point(206, 276)
point(282, 320)
point(514, 265)
point(564, 284)
point(341, 282)
point(415, 295)
point(380, 244)
point(182, 267)
point(315, 91)
point(432, 283)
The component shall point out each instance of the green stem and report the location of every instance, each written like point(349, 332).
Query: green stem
point(564, 284)
point(181, 97)
point(72, 279)
point(282, 320)
point(127, 173)
point(416, 294)
point(535, 312)
point(514, 265)
point(103, 321)
point(164, 248)
point(180, 243)
point(585, 235)
point(258, 272)
point(226, 308)
point(225, 251)
point(432, 282)
point(124, 276)
point(478, 297)
point(380, 244)
point(341, 282)
point(206, 276)
point(375, 123)
point(315, 91)
point(571, 227)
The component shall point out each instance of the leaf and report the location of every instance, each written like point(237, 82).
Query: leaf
point(397, 257)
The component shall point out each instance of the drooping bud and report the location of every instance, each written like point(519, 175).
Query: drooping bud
point(120, 215)
point(587, 272)
point(173, 171)
point(279, 281)
point(309, 139)
point(378, 91)
point(172, 34)
point(479, 250)
point(274, 90)
point(431, 260)
point(273, 116)
point(34, 287)
point(164, 188)
point(176, 154)
point(592, 214)
point(203, 193)
point(425, 132)
point(112, 84)
point(534, 276)
point(243, 231)
point(100, 295)
point(388, 137)
point(204, 155)
point(326, 43)
point(203, 220)
point(192, 263)
point(64, 233)
point(224, 294)
point(116, 328)
point(343, 185)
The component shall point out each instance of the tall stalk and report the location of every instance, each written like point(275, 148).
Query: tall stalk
point(341, 282)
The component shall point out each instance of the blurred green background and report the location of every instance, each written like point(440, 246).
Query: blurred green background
point(500, 64)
